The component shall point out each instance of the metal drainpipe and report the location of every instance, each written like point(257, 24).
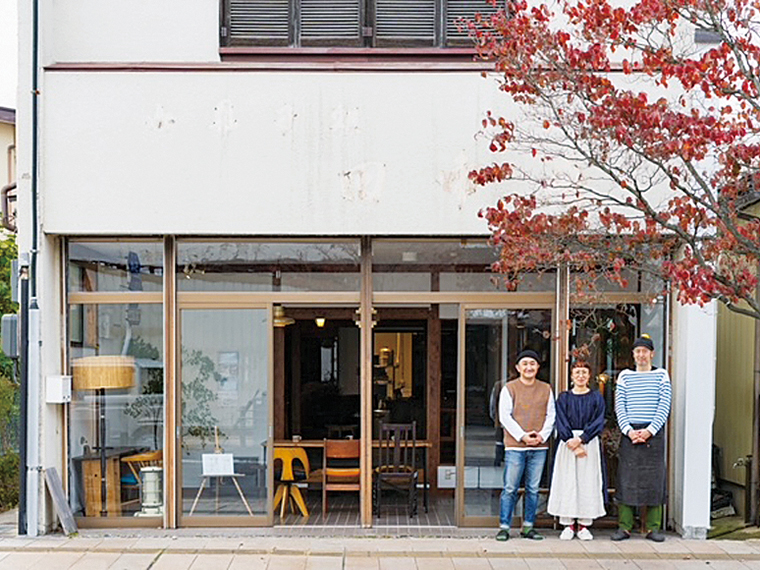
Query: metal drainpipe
point(31, 413)
point(23, 374)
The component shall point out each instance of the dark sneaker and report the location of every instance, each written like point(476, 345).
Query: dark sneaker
point(655, 536)
point(620, 534)
point(531, 533)
point(502, 535)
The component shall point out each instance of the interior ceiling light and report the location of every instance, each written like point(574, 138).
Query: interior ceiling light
point(320, 321)
point(280, 320)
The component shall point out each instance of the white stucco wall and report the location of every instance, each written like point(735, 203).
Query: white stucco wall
point(136, 31)
point(264, 152)
point(692, 415)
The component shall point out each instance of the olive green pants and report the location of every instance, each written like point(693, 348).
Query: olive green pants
point(653, 522)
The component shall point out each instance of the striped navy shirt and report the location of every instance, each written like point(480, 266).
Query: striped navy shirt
point(642, 398)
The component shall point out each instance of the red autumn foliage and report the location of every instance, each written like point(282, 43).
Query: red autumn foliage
point(639, 146)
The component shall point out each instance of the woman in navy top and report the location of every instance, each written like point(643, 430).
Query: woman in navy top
point(577, 488)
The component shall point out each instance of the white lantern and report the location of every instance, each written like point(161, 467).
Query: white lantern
point(151, 492)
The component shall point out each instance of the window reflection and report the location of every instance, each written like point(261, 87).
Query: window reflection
point(118, 374)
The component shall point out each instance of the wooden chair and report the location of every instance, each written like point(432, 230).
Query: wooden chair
point(340, 467)
point(135, 463)
point(286, 487)
point(397, 468)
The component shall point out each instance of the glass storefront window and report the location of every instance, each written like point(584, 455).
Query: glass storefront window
point(115, 266)
point(635, 282)
point(268, 265)
point(494, 338)
point(117, 410)
point(443, 265)
point(603, 336)
point(224, 412)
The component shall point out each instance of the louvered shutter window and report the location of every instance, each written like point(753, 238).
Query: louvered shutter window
point(330, 21)
point(405, 21)
point(459, 10)
point(259, 22)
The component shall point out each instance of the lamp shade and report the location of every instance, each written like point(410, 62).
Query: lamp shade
point(108, 372)
point(279, 319)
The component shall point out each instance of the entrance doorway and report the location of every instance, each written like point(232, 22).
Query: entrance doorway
point(491, 338)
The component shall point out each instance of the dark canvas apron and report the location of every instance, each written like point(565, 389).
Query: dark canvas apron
point(641, 470)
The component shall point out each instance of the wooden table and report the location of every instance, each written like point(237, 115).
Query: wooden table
point(320, 444)
point(90, 478)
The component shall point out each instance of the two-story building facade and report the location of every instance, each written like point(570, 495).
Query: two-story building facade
point(246, 227)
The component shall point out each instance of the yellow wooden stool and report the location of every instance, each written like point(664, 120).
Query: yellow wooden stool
point(287, 488)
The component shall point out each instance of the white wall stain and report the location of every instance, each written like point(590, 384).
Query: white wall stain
point(285, 119)
point(224, 118)
point(161, 120)
point(364, 182)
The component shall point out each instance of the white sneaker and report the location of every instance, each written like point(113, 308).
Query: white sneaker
point(585, 534)
point(568, 533)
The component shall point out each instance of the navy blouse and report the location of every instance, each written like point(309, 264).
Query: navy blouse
point(580, 412)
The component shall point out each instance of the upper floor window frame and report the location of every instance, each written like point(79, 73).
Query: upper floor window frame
point(374, 26)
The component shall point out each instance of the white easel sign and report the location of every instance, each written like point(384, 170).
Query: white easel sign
point(217, 464)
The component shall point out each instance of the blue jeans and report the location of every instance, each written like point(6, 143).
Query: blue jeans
point(531, 462)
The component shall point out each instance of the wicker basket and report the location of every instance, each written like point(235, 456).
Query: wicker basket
point(109, 372)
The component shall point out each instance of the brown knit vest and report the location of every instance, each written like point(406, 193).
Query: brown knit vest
point(528, 407)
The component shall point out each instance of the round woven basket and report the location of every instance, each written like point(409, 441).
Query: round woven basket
point(109, 372)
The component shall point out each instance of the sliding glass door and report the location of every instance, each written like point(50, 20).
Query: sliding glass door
point(224, 419)
point(490, 339)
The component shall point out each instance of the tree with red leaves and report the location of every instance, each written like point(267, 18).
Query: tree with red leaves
point(637, 147)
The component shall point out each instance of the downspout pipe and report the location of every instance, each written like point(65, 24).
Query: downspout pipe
point(24, 375)
point(32, 380)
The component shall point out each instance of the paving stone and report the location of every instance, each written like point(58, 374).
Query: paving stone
point(56, 560)
point(616, 564)
point(20, 560)
point(581, 564)
point(466, 563)
point(544, 564)
point(206, 561)
point(96, 561)
point(324, 563)
point(362, 563)
point(278, 562)
point(397, 563)
point(174, 561)
point(434, 564)
point(249, 562)
point(508, 564)
point(133, 561)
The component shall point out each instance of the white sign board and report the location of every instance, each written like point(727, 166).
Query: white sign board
point(217, 464)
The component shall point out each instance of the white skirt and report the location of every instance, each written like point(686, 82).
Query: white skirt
point(576, 489)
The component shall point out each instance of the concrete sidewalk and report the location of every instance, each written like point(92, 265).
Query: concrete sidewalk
point(233, 549)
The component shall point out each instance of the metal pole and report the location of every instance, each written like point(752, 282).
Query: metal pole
point(24, 376)
point(33, 421)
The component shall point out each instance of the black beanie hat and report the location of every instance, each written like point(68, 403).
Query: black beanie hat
point(644, 340)
point(528, 353)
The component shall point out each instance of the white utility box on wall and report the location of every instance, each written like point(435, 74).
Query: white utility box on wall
point(58, 389)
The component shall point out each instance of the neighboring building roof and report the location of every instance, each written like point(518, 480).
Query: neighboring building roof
point(7, 115)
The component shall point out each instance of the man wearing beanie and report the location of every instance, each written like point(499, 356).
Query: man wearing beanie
point(642, 405)
point(526, 410)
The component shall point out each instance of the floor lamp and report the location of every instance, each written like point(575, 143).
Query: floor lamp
point(101, 373)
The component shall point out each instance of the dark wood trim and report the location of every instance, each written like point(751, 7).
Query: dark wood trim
point(365, 383)
point(172, 389)
point(296, 388)
point(433, 396)
point(279, 383)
